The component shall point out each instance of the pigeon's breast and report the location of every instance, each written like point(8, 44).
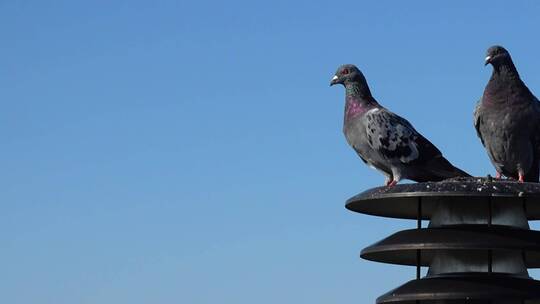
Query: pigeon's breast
point(507, 139)
point(355, 131)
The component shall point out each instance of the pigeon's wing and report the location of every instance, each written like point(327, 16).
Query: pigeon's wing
point(533, 174)
point(477, 120)
point(396, 139)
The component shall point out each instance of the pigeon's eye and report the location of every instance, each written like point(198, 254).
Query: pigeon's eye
point(345, 72)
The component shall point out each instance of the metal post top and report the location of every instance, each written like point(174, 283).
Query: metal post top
point(401, 201)
point(464, 287)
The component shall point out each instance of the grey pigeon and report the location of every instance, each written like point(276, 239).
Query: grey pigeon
point(386, 141)
point(507, 120)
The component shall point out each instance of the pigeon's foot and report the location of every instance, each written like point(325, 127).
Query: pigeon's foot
point(521, 177)
point(498, 176)
point(392, 183)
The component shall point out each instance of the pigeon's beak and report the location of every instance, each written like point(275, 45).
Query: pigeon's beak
point(488, 60)
point(334, 81)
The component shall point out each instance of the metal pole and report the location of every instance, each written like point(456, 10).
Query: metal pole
point(490, 221)
point(523, 255)
point(418, 252)
point(419, 214)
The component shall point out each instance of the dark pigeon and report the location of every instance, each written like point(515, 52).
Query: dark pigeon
point(386, 141)
point(507, 120)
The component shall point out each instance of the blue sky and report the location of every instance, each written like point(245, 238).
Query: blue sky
point(191, 152)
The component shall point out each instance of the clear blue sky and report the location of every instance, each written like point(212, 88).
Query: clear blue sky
point(191, 152)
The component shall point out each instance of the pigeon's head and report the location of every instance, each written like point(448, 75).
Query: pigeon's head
point(347, 73)
point(497, 55)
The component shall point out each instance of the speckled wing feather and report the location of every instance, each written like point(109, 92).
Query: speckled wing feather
point(396, 139)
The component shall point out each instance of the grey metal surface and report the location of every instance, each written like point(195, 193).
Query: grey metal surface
point(401, 247)
point(505, 211)
point(470, 286)
point(477, 246)
point(500, 261)
point(401, 201)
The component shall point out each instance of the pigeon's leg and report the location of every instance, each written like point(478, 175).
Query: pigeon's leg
point(392, 183)
point(498, 176)
point(396, 178)
point(388, 179)
point(521, 177)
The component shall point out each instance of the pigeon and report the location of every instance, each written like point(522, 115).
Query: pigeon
point(507, 120)
point(386, 141)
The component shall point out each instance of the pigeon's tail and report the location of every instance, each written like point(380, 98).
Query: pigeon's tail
point(439, 169)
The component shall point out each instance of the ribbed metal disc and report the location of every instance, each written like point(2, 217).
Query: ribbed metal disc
point(467, 286)
point(401, 247)
point(401, 201)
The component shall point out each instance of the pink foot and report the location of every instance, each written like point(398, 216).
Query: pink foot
point(521, 178)
point(498, 176)
point(392, 183)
